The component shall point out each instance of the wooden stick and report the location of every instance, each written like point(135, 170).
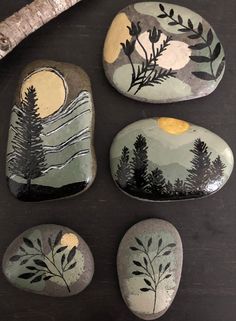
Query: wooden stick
point(27, 20)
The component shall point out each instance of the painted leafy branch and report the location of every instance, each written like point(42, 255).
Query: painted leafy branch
point(42, 267)
point(151, 269)
point(147, 73)
point(197, 33)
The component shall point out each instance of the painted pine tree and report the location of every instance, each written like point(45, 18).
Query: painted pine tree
point(217, 170)
point(199, 174)
point(179, 187)
point(139, 163)
point(123, 173)
point(156, 182)
point(169, 188)
point(29, 158)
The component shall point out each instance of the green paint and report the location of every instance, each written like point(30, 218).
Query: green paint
point(179, 89)
point(170, 152)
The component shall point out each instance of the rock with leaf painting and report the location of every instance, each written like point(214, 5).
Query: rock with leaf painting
point(49, 260)
point(159, 53)
point(149, 264)
point(165, 159)
point(50, 147)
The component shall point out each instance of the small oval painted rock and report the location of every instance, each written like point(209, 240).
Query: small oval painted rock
point(149, 263)
point(49, 260)
point(50, 146)
point(159, 53)
point(164, 159)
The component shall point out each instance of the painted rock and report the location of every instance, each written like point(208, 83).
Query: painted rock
point(164, 159)
point(49, 260)
point(50, 147)
point(149, 266)
point(159, 53)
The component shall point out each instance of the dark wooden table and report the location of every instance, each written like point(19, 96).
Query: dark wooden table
point(103, 214)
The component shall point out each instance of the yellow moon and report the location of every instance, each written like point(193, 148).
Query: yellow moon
point(173, 126)
point(70, 240)
point(51, 90)
point(117, 33)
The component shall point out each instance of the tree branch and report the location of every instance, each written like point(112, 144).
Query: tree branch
point(27, 20)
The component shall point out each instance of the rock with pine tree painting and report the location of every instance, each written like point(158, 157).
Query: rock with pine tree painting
point(168, 159)
point(50, 150)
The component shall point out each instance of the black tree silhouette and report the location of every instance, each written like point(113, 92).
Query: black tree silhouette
point(169, 188)
point(199, 174)
point(156, 182)
point(179, 186)
point(134, 176)
point(139, 163)
point(123, 173)
point(217, 170)
point(29, 158)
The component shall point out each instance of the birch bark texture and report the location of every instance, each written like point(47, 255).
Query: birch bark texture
point(21, 24)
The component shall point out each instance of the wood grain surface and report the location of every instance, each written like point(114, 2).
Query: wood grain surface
point(103, 214)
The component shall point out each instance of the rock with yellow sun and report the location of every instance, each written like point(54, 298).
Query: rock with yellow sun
point(49, 260)
point(50, 147)
point(159, 53)
point(167, 159)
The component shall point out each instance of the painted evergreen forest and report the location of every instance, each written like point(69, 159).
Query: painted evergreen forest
point(28, 158)
point(203, 177)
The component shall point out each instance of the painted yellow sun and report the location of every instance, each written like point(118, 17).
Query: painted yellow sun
point(70, 240)
point(173, 126)
point(51, 90)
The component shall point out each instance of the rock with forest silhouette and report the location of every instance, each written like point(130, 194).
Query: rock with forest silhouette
point(50, 147)
point(168, 159)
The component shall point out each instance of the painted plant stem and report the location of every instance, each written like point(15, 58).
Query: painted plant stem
point(151, 267)
point(41, 253)
point(147, 73)
point(55, 266)
point(27, 20)
point(47, 267)
point(197, 33)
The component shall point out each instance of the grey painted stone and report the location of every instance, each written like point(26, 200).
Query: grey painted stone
point(164, 159)
point(50, 146)
point(49, 260)
point(159, 53)
point(149, 266)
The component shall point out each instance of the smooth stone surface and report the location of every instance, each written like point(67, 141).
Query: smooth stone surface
point(160, 53)
point(149, 264)
point(50, 146)
point(165, 159)
point(49, 260)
